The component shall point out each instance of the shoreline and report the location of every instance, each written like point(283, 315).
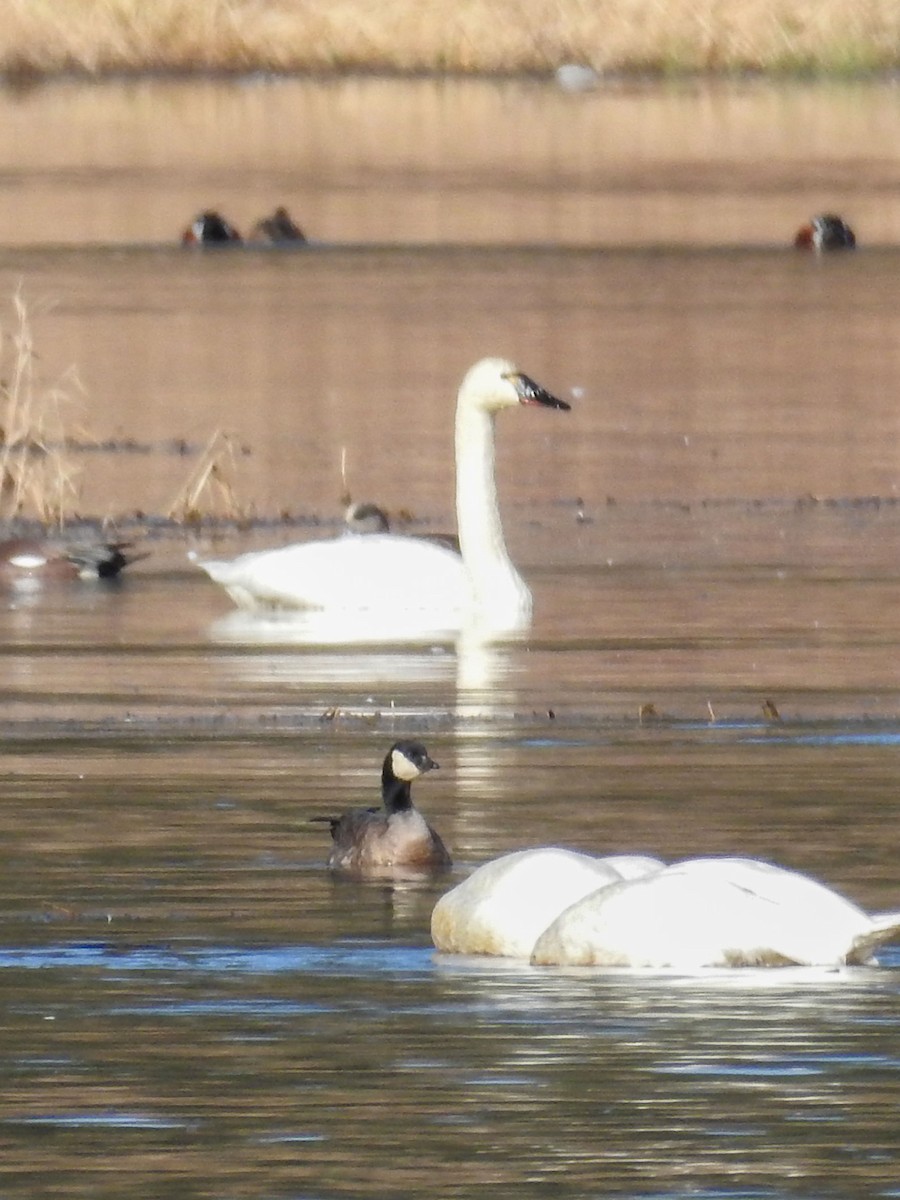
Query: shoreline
point(21, 81)
point(494, 39)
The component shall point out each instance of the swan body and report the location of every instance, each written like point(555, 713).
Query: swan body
point(375, 841)
point(346, 574)
point(715, 912)
point(559, 908)
point(391, 574)
point(504, 906)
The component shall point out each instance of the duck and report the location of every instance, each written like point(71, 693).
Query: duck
point(210, 228)
point(56, 559)
point(505, 905)
point(364, 517)
point(827, 231)
point(399, 576)
point(711, 912)
point(278, 229)
point(374, 841)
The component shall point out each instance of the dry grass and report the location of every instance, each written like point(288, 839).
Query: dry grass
point(484, 36)
point(38, 477)
point(209, 490)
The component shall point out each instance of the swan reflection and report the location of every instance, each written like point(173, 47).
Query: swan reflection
point(309, 646)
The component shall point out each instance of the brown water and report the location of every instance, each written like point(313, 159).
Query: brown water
point(190, 1005)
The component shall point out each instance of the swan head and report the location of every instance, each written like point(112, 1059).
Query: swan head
point(495, 383)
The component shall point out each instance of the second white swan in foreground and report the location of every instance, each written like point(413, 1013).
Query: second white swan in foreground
point(395, 575)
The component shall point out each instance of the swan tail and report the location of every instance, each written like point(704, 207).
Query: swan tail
point(216, 570)
point(885, 931)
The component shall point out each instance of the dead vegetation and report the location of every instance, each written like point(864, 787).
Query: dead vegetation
point(209, 490)
point(41, 443)
point(40, 37)
point(38, 475)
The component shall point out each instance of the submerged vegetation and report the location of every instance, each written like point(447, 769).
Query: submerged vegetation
point(96, 37)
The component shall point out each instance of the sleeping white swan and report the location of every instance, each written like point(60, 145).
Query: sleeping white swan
point(505, 905)
point(406, 576)
point(715, 912)
point(708, 912)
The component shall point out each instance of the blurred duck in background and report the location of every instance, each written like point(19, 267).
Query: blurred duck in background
point(279, 229)
point(210, 229)
point(827, 231)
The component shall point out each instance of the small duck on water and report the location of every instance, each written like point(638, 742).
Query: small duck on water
point(210, 228)
point(373, 841)
point(827, 231)
point(279, 229)
point(54, 559)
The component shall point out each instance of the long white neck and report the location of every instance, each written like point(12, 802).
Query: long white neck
point(498, 589)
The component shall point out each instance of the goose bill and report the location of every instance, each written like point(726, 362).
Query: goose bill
point(530, 392)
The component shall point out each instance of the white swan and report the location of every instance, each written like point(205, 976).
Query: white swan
point(504, 906)
point(726, 912)
point(407, 577)
point(708, 912)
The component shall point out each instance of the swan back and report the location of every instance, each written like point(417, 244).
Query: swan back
point(504, 905)
point(376, 573)
point(705, 913)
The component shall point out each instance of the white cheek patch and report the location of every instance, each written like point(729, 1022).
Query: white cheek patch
point(403, 768)
point(28, 562)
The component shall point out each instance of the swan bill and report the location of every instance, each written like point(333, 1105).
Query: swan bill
point(530, 392)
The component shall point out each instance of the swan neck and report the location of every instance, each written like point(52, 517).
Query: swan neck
point(478, 517)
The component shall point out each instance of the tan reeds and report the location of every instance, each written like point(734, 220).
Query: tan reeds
point(38, 477)
point(208, 490)
point(485, 36)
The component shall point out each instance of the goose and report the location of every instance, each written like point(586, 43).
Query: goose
point(372, 841)
point(55, 559)
point(827, 231)
point(403, 577)
point(505, 905)
point(278, 229)
point(210, 229)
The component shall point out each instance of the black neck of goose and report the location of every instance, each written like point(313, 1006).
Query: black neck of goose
point(395, 793)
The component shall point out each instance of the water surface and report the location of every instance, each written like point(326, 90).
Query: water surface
point(191, 1006)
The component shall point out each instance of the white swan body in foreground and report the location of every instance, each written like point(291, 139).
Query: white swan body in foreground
point(395, 574)
point(728, 912)
point(708, 912)
point(503, 907)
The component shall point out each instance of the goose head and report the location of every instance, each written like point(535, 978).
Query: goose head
point(407, 760)
point(496, 383)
